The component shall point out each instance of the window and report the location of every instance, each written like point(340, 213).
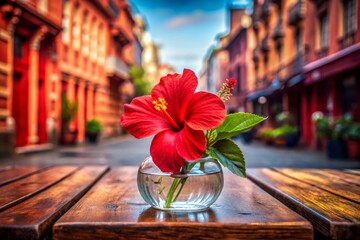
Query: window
point(65, 23)
point(85, 34)
point(298, 41)
point(42, 6)
point(324, 31)
point(93, 40)
point(101, 42)
point(348, 100)
point(349, 20)
point(238, 86)
point(18, 46)
point(76, 28)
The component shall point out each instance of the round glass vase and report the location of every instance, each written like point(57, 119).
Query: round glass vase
point(195, 188)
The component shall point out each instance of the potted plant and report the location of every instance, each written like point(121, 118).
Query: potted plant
point(267, 135)
point(68, 113)
point(285, 135)
point(334, 131)
point(291, 135)
point(353, 141)
point(93, 128)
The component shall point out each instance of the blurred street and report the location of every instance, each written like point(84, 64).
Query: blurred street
point(70, 67)
point(130, 151)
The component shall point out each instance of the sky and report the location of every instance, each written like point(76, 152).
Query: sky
point(185, 29)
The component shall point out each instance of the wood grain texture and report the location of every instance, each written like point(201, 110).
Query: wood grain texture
point(34, 218)
point(5, 168)
point(331, 214)
point(13, 173)
point(334, 183)
point(113, 209)
point(13, 193)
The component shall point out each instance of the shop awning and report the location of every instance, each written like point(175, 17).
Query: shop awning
point(264, 92)
point(339, 62)
point(295, 80)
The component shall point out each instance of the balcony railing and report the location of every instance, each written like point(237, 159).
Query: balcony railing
point(318, 2)
point(256, 55)
point(293, 67)
point(278, 32)
point(322, 53)
point(255, 18)
point(115, 67)
point(265, 44)
point(265, 10)
point(347, 40)
point(119, 34)
point(296, 13)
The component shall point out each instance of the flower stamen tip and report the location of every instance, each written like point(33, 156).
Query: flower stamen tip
point(160, 104)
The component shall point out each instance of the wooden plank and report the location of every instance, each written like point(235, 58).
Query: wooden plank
point(114, 209)
point(333, 183)
point(33, 218)
point(29, 186)
point(345, 176)
point(353, 171)
point(17, 172)
point(331, 215)
point(5, 168)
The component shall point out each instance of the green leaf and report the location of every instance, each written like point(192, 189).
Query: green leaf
point(236, 123)
point(229, 155)
point(211, 137)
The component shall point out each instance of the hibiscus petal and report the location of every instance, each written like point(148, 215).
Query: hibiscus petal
point(164, 154)
point(190, 144)
point(141, 119)
point(205, 111)
point(176, 90)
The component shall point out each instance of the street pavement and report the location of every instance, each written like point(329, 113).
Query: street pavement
point(130, 151)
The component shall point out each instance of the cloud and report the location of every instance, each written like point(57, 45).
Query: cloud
point(191, 19)
point(185, 56)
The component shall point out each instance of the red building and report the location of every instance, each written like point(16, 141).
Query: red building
point(28, 63)
point(332, 61)
point(307, 59)
point(81, 49)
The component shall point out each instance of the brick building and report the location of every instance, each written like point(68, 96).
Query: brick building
point(306, 59)
point(81, 49)
point(238, 45)
point(28, 32)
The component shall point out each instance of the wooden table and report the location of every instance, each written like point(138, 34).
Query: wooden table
point(329, 199)
point(95, 202)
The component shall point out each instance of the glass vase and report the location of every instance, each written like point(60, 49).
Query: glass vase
point(195, 188)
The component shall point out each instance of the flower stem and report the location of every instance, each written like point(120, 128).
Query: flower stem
point(180, 181)
point(169, 197)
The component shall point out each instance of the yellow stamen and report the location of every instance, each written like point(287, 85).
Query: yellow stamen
point(161, 105)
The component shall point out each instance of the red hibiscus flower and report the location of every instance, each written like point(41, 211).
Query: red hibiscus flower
point(178, 116)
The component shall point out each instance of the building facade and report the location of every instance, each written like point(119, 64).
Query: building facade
point(78, 49)
point(306, 59)
point(28, 33)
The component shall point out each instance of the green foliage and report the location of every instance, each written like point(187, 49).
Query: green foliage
point(268, 133)
point(353, 131)
point(323, 127)
point(229, 155)
point(336, 129)
point(283, 131)
point(284, 118)
point(93, 126)
point(223, 149)
point(234, 124)
point(142, 85)
point(68, 111)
